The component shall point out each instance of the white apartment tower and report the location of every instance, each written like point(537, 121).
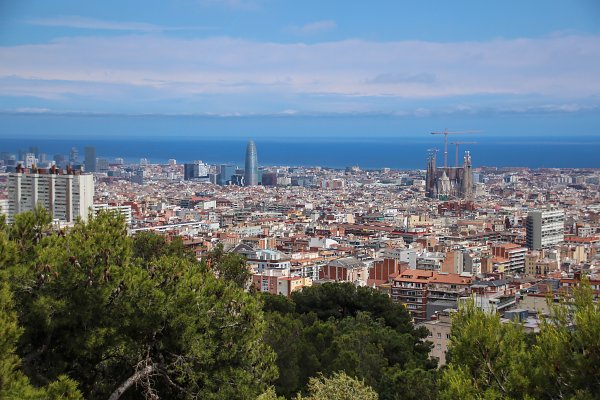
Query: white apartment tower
point(67, 196)
point(545, 228)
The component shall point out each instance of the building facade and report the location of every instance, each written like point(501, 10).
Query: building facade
point(90, 159)
point(251, 170)
point(124, 210)
point(545, 228)
point(67, 196)
point(449, 182)
point(195, 170)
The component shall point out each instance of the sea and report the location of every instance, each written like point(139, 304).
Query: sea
point(371, 153)
point(368, 142)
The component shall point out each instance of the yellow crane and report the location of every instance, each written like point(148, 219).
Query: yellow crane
point(446, 133)
point(456, 147)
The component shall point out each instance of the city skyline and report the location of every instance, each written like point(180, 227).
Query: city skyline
point(423, 221)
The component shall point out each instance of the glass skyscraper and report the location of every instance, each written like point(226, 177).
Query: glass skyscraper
point(90, 159)
point(251, 170)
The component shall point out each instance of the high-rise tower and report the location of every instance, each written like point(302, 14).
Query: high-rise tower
point(545, 228)
point(90, 159)
point(251, 170)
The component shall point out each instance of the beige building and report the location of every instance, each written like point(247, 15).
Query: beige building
point(67, 196)
point(439, 335)
point(534, 265)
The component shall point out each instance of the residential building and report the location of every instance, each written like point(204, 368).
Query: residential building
point(545, 228)
point(410, 289)
point(67, 196)
point(348, 269)
point(439, 334)
point(511, 257)
point(124, 210)
point(444, 290)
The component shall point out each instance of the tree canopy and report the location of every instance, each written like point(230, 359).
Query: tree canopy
point(494, 360)
point(338, 327)
point(156, 324)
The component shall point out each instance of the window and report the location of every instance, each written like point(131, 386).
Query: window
point(447, 336)
point(439, 335)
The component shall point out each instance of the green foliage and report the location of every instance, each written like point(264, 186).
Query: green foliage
point(492, 353)
point(566, 355)
point(270, 394)
point(13, 383)
point(149, 246)
point(156, 324)
point(340, 300)
point(338, 387)
point(409, 384)
point(277, 303)
point(492, 360)
point(28, 229)
point(229, 266)
point(337, 327)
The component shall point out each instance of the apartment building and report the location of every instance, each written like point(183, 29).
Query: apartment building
point(67, 196)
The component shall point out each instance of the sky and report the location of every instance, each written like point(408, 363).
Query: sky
point(508, 67)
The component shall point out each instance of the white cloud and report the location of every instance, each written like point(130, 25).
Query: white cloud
point(557, 70)
point(242, 5)
point(312, 28)
point(78, 22)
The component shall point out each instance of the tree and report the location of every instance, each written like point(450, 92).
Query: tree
point(493, 360)
point(340, 300)
point(124, 327)
point(488, 358)
point(566, 354)
point(13, 383)
point(338, 387)
point(337, 327)
point(149, 246)
point(228, 266)
point(408, 384)
point(28, 229)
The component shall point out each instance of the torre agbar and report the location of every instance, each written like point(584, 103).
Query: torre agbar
point(251, 168)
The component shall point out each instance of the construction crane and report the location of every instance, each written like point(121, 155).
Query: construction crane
point(456, 144)
point(446, 133)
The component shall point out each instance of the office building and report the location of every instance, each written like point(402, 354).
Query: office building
point(102, 165)
point(60, 161)
point(30, 160)
point(73, 156)
point(251, 170)
point(195, 170)
point(226, 171)
point(67, 196)
point(90, 159)
point(545, 228)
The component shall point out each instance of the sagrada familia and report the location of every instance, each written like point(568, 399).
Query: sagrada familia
point(449, 182)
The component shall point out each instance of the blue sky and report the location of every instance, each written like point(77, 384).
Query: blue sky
point(507, 66)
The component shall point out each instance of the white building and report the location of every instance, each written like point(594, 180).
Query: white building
point(125, 211)
point(4, 207)
point(545, 228)
point(66, 196)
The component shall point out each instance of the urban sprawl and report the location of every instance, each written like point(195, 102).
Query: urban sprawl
point(506, 238)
